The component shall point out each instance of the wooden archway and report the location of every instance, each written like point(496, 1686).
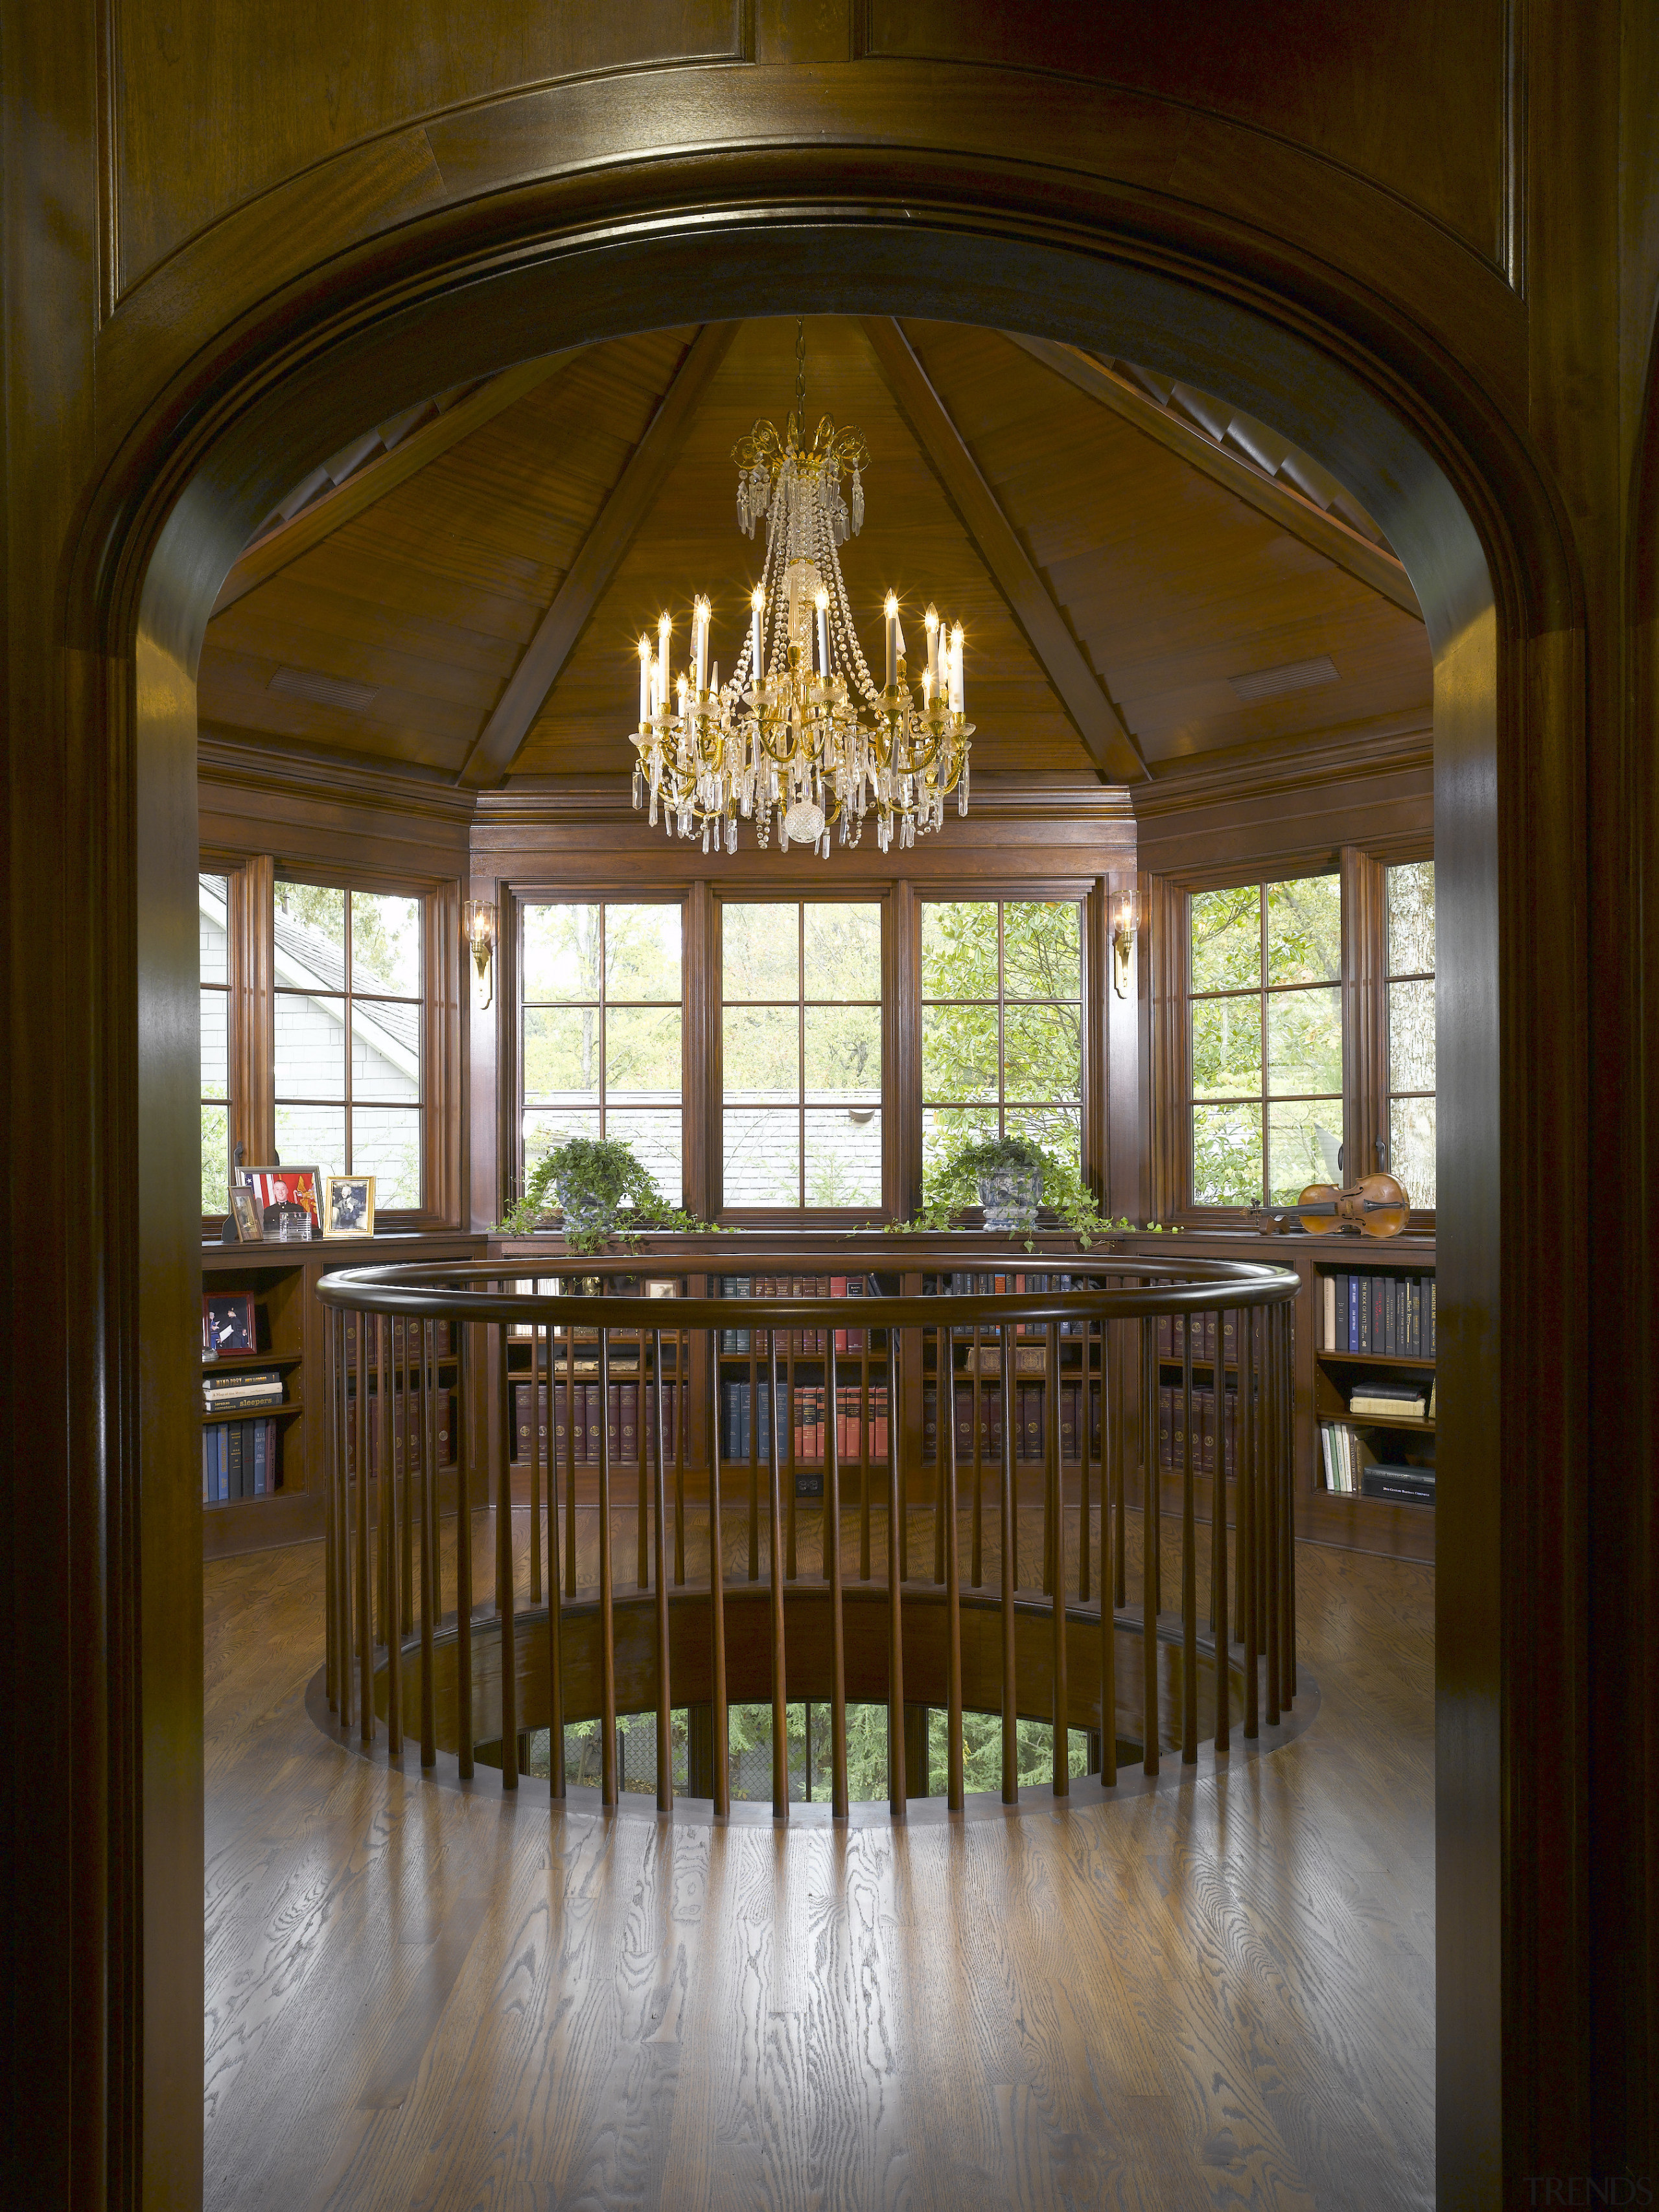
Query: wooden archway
point(730, 232)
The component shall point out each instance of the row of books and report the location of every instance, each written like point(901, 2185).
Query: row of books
point(407, 1428)
point(860, 1422)
point(597, 1424)
point(238, 1459)
point(803, 1341)
point(1172, 1431)
point(242, 1390)
point(1030, 1413)
point(1351, 1469)
point(967, 1282)
point(408, 1341)
point(1390, 1314)
point(1171, 1335)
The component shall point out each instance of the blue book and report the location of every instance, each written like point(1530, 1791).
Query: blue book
point(1353, 1344)
point(259, 1459)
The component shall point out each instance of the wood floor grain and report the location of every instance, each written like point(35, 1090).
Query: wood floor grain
point(1220, 1996)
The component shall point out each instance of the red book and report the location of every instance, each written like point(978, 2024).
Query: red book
point(930, 1421)
point(1068, 1398)
point(964, 1423)
point(838, 1290)
point(593, 1414)
point(1166, 1427)
point(878, 1422)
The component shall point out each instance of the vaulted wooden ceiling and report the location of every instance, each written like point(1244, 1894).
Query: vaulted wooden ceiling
point(1147, 580)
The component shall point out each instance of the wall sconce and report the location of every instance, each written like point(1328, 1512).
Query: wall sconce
point(479, 926)
point(1126, 927)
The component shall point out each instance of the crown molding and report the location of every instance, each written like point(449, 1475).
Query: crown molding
point(608, 801)
point(399, 786)
point(1383, 751)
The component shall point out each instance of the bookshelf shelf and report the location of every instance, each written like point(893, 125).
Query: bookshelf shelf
point(278, 1410)
point(1373, 1359)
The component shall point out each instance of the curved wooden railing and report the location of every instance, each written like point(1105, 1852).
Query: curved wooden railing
point(1064, 1646)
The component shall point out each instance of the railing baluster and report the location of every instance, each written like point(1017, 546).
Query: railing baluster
point(1219, 1538)
point(1107, 1566)
point(642, 1429)
point(1062, 1716)
point(405, 1475)
point(665, 1710)
point(431, 1591)
point(365, 1622)
point(896, 1786)
point(774, 1572)
point(555, 1775)
point(1119, 1503)
point(1248, 1587)
point(1150, 1560)
point(1287, 1511)
point(331, 1545)
point(789, 1419)
point(392, 1620)
point(717, 1582)
point(837, 1618)
point(953, 1773)
point(506, 1613)
point(682, 1417)
point(1270, 1545)
point(976, 1562)
point(608, 1777)
point(862, 1388)
point(534, 1387)
point(1010, 1567)
point(571, 1416)
point(1084, 1425)
point(466, 1360)
point(1189, 1558)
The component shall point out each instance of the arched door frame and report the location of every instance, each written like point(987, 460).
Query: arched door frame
point(1450, 480)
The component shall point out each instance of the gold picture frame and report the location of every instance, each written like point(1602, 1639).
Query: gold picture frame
point(349, 1205)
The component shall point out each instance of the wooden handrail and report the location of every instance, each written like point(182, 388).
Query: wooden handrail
point(384, 1349)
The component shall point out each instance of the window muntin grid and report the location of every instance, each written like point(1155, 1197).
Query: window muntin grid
point(1264, 1108)
point(1001, 1023)
point(802, 1060)
point(601, 1029)
point(350, 1034)
point(1409, 985)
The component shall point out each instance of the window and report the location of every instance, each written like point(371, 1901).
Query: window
point(1001, 1025)
point(1265, 1006)
point(213, 900)
point(349, 1036)
point(801, 1053)
point(1411, 1029)
point(599, 1035)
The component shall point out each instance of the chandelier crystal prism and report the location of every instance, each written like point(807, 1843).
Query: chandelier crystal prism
point(800, 730)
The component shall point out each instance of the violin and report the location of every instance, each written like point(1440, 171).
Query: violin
point(1377, 1206)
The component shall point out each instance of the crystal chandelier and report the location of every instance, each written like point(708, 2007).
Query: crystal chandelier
point(801, 728)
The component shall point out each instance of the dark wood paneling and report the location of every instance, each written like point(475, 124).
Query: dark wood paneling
point(286, 89)
point(1416, 98)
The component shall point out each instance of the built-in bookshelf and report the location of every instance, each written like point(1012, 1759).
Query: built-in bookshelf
point(281, 1475)
point(1373, 1381)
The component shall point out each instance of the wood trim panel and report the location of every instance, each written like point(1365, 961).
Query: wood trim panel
point(498, 743)
point(274, 551)
point(1365, 1028)
point(1108, 743)
point(1323, 533)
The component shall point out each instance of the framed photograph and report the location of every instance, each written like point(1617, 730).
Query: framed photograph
point(245, 1212)
point(349, 1206)
point(228, 1323)
point(276, 1185)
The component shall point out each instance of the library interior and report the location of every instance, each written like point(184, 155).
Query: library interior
point(833, 851)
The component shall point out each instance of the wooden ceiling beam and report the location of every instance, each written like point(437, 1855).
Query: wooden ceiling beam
point(312, 523)
point(502, 738)
point(1116, 756)
point(1323, 533)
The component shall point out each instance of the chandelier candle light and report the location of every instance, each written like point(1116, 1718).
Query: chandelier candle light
point(800, 729)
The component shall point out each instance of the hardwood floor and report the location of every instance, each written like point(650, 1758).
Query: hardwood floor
point(1221, 1996)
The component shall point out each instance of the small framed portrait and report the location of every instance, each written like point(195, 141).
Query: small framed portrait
point(277, 1187)
point(245, 1212)
point(349, 1206)
point(228, 1323)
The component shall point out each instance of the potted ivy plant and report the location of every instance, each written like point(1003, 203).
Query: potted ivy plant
point(1006, 1176)
point(601, 1192)
point(1009, 1178)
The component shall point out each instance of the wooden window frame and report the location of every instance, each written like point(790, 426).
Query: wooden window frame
point(443, 1005)
point(1362, 870)
point(515, 898)
point(878, 894)
point(1089, 894)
